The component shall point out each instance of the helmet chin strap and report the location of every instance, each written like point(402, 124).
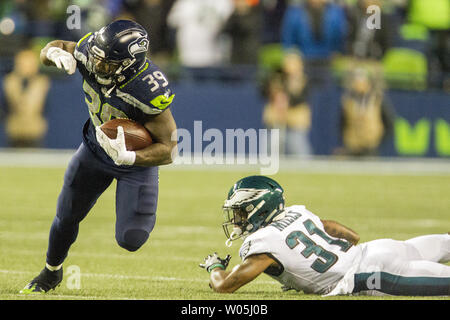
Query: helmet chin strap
point(109, 81)
point(106, 82)
point(103, 81)
point(235, 234)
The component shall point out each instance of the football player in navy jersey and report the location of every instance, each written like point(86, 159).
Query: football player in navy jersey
point(118, 82)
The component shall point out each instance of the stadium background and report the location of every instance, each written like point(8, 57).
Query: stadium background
point(240, 51)
point(227, 88)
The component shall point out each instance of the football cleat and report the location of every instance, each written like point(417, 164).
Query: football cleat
point(44, 282)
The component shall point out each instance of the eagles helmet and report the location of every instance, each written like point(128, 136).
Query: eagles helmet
point(117, 51)
point(252, 203)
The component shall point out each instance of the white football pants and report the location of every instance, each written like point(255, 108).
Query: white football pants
point(410, 268)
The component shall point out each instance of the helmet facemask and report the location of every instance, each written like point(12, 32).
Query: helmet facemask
point(235, 224)
point(242, 220)
point(252, 203)
point(117, 52)
point(106, 71)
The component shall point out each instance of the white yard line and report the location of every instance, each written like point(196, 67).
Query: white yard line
point(66, 296)
point(126, 277)
point(112, 276)
point(317, 164)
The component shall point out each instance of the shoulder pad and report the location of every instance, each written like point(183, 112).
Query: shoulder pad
point(80, 52)
point(82, 39)
point(148, 90)
point(257, 243)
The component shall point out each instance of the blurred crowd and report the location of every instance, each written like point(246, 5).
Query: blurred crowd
point(289, 47)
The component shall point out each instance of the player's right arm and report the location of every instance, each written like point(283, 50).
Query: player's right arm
point(223, 281)
point(337, 230)
point(59, 53)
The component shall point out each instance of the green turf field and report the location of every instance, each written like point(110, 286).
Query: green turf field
point(189, 227)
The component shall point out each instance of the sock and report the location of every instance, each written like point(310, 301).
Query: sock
point(53, 268)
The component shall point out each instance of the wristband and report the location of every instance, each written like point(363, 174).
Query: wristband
point(216, 265)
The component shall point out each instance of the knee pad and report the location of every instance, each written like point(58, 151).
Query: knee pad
point(133, 239)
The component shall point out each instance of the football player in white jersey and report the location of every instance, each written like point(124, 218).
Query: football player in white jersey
point(306, 253)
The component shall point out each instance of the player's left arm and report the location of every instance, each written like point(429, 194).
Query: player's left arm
point(59, 53)
point(162, 128)
point(337, 230)
point(223, 281)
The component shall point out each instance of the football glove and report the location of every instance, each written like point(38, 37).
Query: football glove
point(116, 148)
point(62, 59)
point(214, 261)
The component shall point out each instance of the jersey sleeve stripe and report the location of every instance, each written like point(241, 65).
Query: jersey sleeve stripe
point(128, 98)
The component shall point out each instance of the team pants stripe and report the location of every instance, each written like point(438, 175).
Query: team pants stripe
point(405, 286)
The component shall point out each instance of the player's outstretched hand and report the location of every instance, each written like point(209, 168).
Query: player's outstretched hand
point(214, 261)
point(116, 148)
point(62, 59)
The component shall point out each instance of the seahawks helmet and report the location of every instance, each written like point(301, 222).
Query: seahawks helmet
point(252, 203)
point(117, 51)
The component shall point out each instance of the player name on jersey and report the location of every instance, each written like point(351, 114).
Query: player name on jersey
point(290, 217)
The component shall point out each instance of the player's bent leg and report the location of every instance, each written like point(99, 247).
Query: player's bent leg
point(83, 184)
point(136, 204)
point(435, 247)
point(388, 267)
point(406, 278)
point(132, 235)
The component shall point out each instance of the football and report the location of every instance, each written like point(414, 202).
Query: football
point(136, 136)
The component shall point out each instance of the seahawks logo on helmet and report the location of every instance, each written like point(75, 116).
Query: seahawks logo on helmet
point(138, 46)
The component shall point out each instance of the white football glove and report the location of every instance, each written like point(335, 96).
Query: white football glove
point(116, 148)
point(214, 261)
point(62, 59)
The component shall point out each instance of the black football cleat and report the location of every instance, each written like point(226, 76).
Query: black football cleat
point(44, 282)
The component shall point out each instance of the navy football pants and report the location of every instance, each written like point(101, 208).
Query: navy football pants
point(85, 179)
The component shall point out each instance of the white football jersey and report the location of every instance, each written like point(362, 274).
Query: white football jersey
point(311, 260)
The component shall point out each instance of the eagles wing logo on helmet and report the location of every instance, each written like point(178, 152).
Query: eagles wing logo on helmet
point(245, 195)
point(138, 46)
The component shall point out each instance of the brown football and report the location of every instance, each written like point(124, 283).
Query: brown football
point(136, 136)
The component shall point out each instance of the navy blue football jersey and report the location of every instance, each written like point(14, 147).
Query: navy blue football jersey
point(147, 93)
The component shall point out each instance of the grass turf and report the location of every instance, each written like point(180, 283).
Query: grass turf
point(188, 228)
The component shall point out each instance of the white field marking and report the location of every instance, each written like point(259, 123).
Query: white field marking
point(152, 243)
point(425, 223)
point(33, 234)
point(312, 164)
point(128, 277)
point(24, 235)
point(103, 256)
point(204, 230)
point(115, 276)
point(49, 296)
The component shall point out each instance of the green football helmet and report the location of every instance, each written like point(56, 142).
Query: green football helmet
point(253, 202)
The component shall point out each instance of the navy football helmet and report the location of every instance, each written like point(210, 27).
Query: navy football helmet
point(117, 51)
point(252, 203)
